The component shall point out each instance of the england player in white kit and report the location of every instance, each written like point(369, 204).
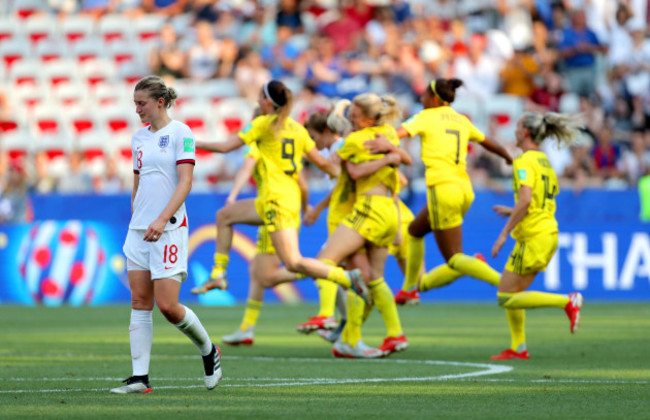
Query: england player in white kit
point(157, 241)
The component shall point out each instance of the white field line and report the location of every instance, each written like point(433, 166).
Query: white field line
point(485, 369)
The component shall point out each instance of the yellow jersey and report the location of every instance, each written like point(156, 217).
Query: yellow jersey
point(353, 150)
point(280, 154)
point(253, 152)
point(342, 199)
point(444, 135)
point(533, 169)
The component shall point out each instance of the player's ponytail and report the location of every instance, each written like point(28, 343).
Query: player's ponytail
point(445, 89)
point(156, 88)
point(336, 120)
point(282, 100)
point(564, 128)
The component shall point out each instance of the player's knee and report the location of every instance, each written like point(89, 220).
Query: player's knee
point(502, 300)
point(222, 216)
point(143, 303)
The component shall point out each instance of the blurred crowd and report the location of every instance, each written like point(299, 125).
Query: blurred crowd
point(588, 57)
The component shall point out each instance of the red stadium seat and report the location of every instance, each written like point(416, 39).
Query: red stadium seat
point(115, 27)
point(76, 28)
point(39, 28)
point(25, 72)
point(14, 50)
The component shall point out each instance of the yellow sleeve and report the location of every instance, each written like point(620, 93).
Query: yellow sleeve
point(523, 172)
point(413, 125)
point(475, 134)
point(252, 132)
point(349, 148)
point(252, 151)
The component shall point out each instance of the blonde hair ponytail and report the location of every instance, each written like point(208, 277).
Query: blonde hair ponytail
point(564, 128)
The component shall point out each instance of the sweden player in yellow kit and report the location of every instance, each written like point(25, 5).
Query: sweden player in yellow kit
point(533, 225)
point(372, 224)
point(444, 135)
point(282, 142)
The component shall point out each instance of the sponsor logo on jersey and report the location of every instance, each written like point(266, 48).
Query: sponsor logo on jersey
point(247, 128)
point(163, 141)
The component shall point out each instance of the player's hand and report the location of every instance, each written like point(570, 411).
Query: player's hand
point(503, 211)
point(379, 145)
point(230, 200)
point(498, 244)
point(155, 230)
point(394, 158)
point(310, 216)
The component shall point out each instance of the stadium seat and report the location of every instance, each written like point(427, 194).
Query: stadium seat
point(115, 27)
point(75, 28)
point(13, 50)
point(39, 28)
point(47, 120)
point(505, 109)
point(98, 70)
point(10, 28)
point(16, 144)
point(86, 49)
point(122, 51)
point(117, 119)
point(28, 95)
point(147, 27)
point(25, 8)
point(81, 120)
point(111, 93)
point(70, 94)
point(50, 50)
point(25, 72)
point(61, 71)
point(93, 145)
point(233, 114)
point(197, 116)
point(131, 72)
point(217, 89)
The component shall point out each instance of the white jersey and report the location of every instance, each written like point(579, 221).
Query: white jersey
point(155, 156)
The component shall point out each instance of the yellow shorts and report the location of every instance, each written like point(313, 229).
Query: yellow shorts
point(264, 243)
point(374, 218)
point(532, 255)
point(448, 203)
point(279, 215)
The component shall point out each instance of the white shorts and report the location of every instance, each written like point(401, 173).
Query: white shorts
point(166, 258)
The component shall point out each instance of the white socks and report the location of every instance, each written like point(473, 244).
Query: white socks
point(192, 327)
point(341, 302)
point(140, 337)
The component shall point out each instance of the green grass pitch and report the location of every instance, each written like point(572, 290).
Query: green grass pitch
point(61, 362)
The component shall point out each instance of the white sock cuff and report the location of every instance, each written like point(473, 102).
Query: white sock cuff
point(139, 315)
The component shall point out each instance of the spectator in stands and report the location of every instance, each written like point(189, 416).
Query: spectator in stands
point(111, 183)
point(258, 31)
point(479, 71)
point(76, 180)
point(280, 57)
point(227, 58)
point(581, 170)
point(635, 161)
point(226, 27)
point(167, 59)
point(202, 59)
point(325, 72)
point(164, 7)
point(545, 51)
point(251, 75)
point(344, 31)
point(606, 154)
point(637, 62)
point(289, 15)
point(518, 74)
point(578, 49)
point(14, 199)
point(546, 97)
point(43, 181)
